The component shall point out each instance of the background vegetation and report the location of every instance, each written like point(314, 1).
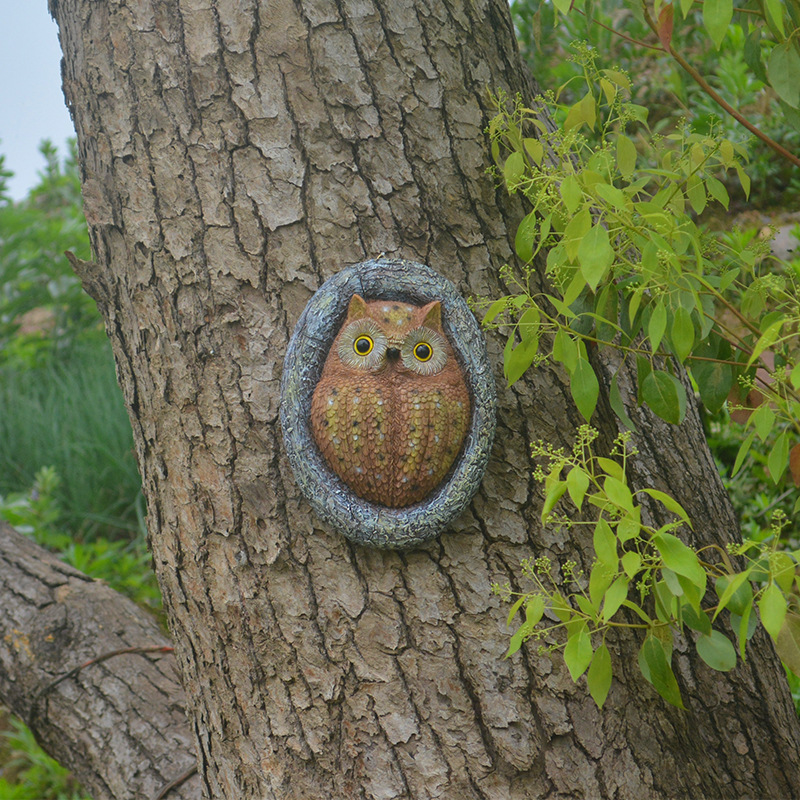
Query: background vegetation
point(67, 471)
point(68, 474)
point(622, 194)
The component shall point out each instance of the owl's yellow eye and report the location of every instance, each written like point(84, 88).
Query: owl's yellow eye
point(363, 345)
point(423, 351)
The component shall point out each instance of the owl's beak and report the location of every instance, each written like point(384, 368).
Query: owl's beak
point(393, 353)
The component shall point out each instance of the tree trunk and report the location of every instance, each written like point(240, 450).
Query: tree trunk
point(235, 154)
point(119, 723)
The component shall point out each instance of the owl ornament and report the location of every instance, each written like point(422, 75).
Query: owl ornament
point(388, 403)
point(391, 409)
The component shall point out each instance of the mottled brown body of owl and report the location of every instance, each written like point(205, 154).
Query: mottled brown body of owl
point(391, 409)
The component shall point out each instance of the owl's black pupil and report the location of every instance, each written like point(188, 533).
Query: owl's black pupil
point(423, 352)
point(363, 345)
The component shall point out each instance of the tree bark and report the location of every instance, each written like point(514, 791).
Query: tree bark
point(118, 724)
point(235, 154)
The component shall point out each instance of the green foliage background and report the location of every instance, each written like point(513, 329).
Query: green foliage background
point(68, 475)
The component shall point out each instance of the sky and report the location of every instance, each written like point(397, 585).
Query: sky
point(31, 101)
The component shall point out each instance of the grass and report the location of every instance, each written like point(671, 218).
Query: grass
point(67, 413)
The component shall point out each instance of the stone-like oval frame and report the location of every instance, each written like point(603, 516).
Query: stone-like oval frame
point(359, 520)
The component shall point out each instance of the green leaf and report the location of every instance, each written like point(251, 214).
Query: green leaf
point(615, 596)
point(744, 627)
point(520, 358)
point(618, 493)
point(673, 584)
point(692, 594)
point(682, 333)
point(774, 9)
point(778, 458)
point(576, 229)
point(599, 675)
point(696, 192)
point(718, 191)
point(605, 544)
point(494, 309)
point(565, 350)
point(782, 566)
point(772, 608)
point(561, 608)
point(578, 652)
point(554, 493)
point(514, 169)
point(582, 112)
point(767, 339)
point(638, 611)
point(616, 197)
point(516, 607)
point(576, 287)
point(665, 395)
point(666, 602)
point(714, 381)
point(783, 71)
point(788, 642)
point(669, 502)
point(584, 387)
point(595, 255)
point(696, 620)
point(680, 558)
point(620, 78)
point(577, 484)
point(631, 563)
point(600, 579)
point(735, 592)
point(630, 525)
point(762, 420)
point(626, 156)
point(794, 376)
point(657, 670)
point(516, 641)
point(717, 651)
point(657, 325)
point(534, 611)
point(534, 148)
point(526, 236)
point(611, 467)
point(585, 605)
point(742, 454)
point(643, 369)
point(571, 193)
point(717, 15)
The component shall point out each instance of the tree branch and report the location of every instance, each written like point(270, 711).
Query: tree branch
point(118, 723)
point(721, 102)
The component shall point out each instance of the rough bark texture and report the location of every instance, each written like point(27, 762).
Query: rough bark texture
point(235, 154)
point(120, 725)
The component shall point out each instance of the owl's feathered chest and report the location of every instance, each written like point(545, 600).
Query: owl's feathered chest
point(390, 436)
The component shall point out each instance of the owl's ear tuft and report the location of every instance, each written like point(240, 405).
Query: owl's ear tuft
point(357, 308)
point(432, 315)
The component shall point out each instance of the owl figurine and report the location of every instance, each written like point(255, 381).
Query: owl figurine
point(392, 408)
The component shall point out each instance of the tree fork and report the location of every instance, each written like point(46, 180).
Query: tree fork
point(235, 154)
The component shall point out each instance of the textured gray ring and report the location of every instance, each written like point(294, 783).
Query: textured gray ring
point(334, 502)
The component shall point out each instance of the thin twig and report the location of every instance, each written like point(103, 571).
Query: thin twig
point(104, 657)
point(176, 783)
point(717, 98)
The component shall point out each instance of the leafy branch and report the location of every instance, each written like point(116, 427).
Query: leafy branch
point(629, 267)
point(570, 613)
